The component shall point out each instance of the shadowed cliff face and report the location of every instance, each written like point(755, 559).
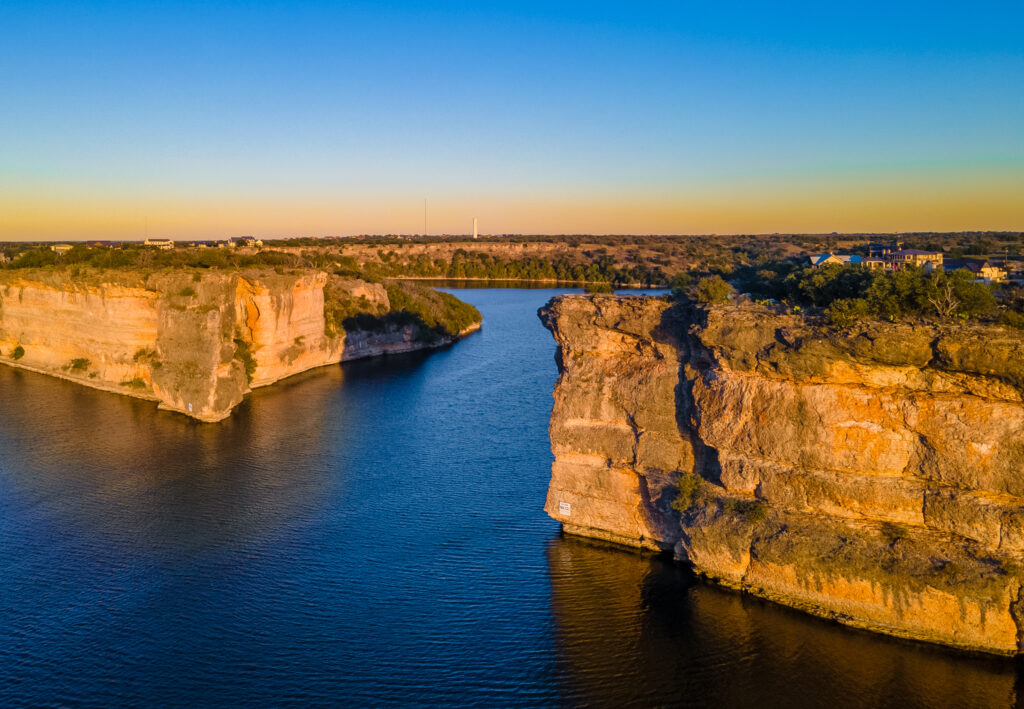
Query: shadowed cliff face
point(870, 476)
point(196, 342)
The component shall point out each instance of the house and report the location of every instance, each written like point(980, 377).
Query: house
point(162, 244)
point(826, 259)
point(872, 262)
point(984, 271)
point(246, 241)
point(893, 255)
point(60, 249)
point(4, 258)
point(899, 258)
point(880, 250)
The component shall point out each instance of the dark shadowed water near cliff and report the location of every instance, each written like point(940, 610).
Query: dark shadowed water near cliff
point(373, 535)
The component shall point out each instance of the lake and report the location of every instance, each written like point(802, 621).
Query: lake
point(372, 534)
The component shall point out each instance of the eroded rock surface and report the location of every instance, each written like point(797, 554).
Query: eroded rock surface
point(871, 476)
point(196, 342)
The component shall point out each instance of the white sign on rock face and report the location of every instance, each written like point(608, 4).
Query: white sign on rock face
point(564, 508)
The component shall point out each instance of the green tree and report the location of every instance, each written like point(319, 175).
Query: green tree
point(713, 289)
point(848, 311)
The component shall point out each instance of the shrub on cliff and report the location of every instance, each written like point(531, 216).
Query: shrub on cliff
point(243, 353)
point(18, 352)
point(712, 289)
point(691, 491)
point(680, 284)
point(1012, 319)
point(848, 311)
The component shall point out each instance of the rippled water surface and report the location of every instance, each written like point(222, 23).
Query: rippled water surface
point(373, 535)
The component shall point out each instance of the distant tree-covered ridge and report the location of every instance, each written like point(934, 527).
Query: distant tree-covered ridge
point(613, 259)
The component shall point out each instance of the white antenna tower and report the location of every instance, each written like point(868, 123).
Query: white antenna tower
point(474, 228)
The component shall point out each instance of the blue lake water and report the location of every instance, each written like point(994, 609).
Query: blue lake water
point(372, 535)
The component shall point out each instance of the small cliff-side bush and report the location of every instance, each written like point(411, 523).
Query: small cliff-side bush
point(848, 311)
point(680, 284)
point(187, 292)
point(18, 352)
point(79, 364)
point(243, 353)
point(1012, 319)
point(712, 289)
point(691, 491)
point(751, 510)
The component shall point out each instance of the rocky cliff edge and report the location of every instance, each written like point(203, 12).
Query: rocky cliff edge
point(195, 341)
point(872, 476)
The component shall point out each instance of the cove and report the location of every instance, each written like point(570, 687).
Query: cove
point(373, 535)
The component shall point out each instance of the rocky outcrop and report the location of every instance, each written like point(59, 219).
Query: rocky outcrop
point(871, 476)
point(194, 341)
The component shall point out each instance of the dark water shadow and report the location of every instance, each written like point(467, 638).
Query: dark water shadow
point(639, 630)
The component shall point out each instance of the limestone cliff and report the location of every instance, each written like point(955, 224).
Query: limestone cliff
point(871, 476)
point(195, 341)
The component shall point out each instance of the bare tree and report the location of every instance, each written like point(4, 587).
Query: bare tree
point(945, 301)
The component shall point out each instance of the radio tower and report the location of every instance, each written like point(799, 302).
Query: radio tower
point(474, 228)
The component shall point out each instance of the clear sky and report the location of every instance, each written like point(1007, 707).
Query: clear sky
point(220, 118)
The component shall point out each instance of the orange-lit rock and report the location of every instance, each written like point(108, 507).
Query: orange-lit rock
point(184, 338)
point(871, 476)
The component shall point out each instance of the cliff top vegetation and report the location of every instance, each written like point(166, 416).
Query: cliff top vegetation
point(434, 315)
point(847, 294)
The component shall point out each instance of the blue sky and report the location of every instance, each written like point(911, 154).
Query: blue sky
point(310, 118)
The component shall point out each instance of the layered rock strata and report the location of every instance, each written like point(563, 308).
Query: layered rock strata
point(871, 476)
point(196, 342)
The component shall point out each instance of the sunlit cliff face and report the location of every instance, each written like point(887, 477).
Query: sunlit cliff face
point(871, 476)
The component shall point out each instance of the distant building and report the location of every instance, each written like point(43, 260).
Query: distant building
point(61, 248)
point(826, 259)
point(927, 260)
point(880, 250)
point(246, 241)
point(872, 262)
point(984, 271)
point(894, 256)
point(4, 258)
point(162, 244)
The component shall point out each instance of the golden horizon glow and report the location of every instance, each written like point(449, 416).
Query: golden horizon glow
point(983, 204)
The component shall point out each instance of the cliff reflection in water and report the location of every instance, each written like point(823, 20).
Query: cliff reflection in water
point(122, 469)
point(637, 630)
